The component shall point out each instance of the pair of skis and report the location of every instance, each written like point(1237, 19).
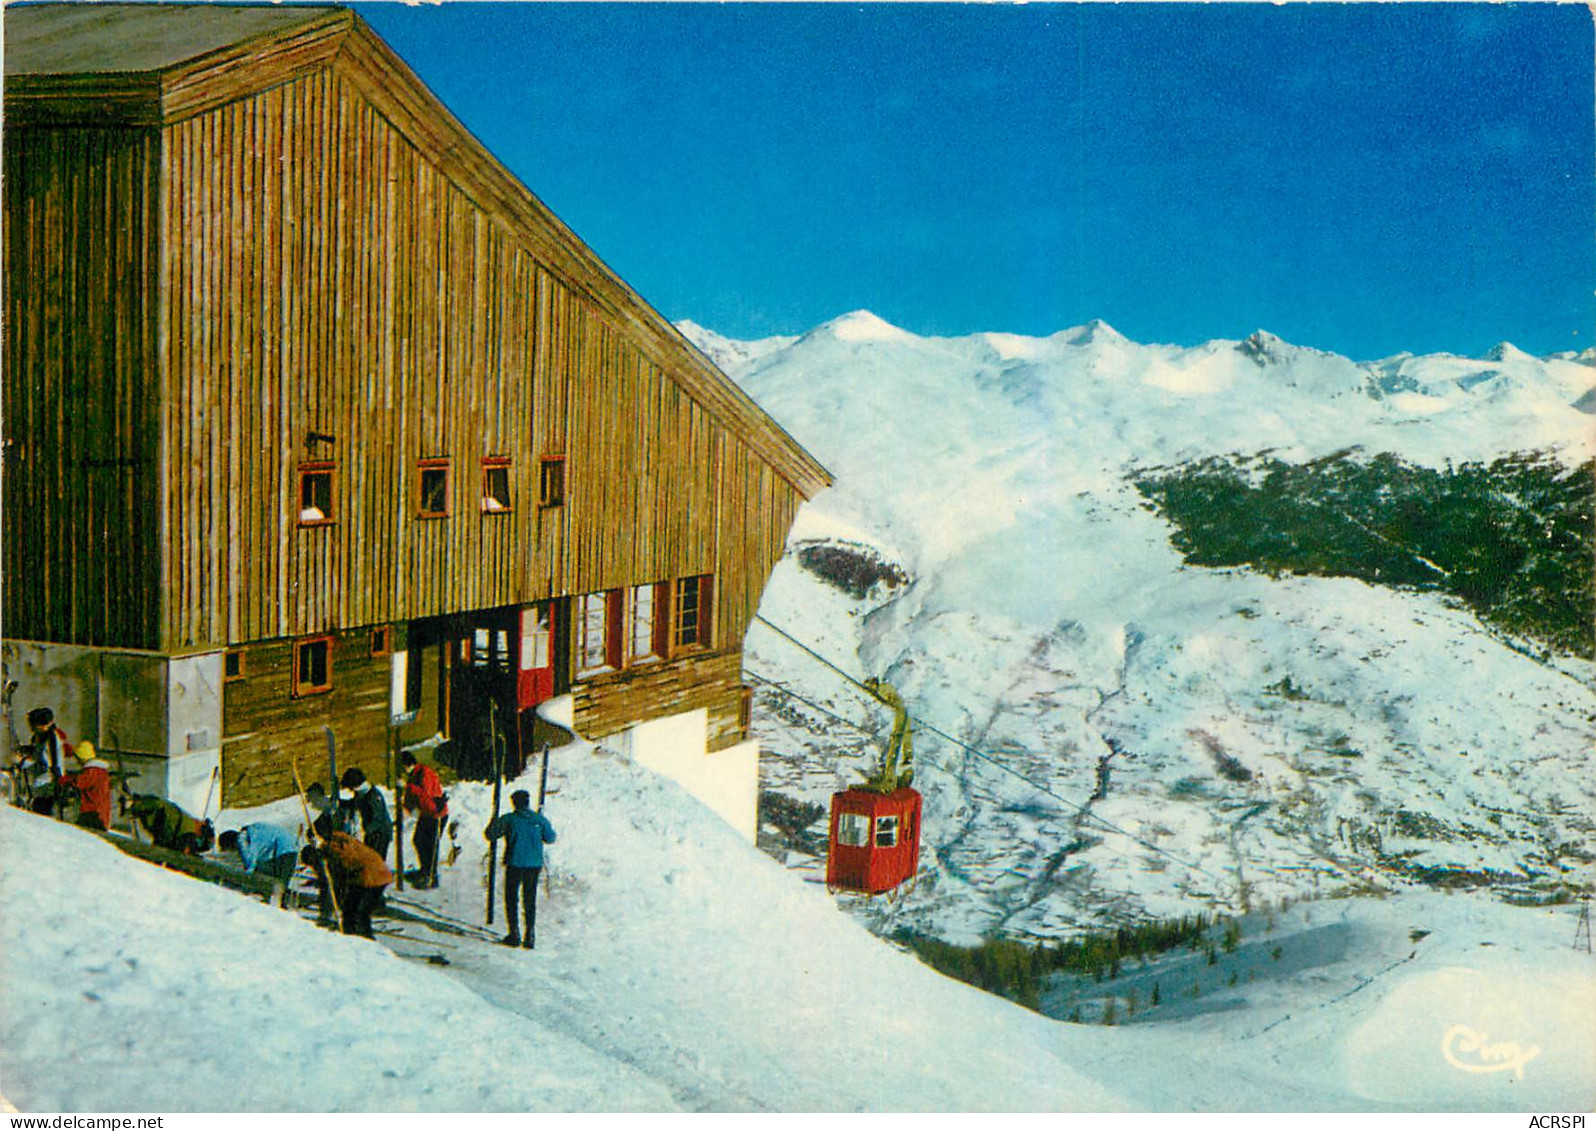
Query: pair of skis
point(311, 834)
point(498, 782)
point(22, 787)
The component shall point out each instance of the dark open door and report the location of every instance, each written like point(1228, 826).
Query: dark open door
point(483, 678)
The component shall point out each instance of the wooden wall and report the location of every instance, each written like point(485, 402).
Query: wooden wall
point(82, 525)
point(757, 508)
point(266, 729)
point(614, 701)
point(332, 280)
point(195, 310)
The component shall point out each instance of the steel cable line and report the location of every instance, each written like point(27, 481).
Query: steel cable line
point(1040, 788)
point(922, 758)
point(1083, 810)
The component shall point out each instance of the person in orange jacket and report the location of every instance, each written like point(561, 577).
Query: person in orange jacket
point(357, 873)
point(93, 785)
point(424, 796)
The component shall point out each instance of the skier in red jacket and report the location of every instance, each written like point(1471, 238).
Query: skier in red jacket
point(93, 783)
point(424, 797)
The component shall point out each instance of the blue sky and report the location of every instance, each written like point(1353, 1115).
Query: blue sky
point(1364, 178)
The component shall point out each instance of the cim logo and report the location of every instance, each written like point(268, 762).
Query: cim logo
point(1469, 1050)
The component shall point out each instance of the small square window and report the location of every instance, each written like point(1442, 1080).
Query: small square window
point(551, 481)
point(233, 665)
point(434, 488)
point(315, 494)
point(886, 832)
point(382, 640)
point(313, 666)
point(853, 830)
point(496, 485)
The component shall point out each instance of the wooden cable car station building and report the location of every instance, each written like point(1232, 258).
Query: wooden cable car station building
point(314, 414)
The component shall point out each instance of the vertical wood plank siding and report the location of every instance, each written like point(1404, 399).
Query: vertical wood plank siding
point(332, 281)
point(330, 271)
point(267, 730)
point(612, 702)
point(81, 558)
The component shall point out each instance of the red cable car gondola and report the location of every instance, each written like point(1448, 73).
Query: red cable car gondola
point(875, 828)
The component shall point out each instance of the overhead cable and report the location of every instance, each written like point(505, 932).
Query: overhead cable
point(1082, 809)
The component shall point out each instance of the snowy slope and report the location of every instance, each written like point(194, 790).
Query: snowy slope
point(677, 968)
point(1050, 624)
point(126, 987)
point(1046, 621)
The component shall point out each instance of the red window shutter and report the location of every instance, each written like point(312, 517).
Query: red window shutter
point(664, 613)
point(612, 628)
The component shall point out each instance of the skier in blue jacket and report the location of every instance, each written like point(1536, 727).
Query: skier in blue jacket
point(266, 850)
point(525, 832)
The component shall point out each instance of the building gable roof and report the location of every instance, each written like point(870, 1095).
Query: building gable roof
point(80, 39)
point(155, 64)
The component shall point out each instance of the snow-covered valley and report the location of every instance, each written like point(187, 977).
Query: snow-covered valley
point(1122, 735)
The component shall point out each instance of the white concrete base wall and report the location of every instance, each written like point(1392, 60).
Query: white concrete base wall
point(676, 747)
point(190, 784)
point(740, 765)
point(162, 714)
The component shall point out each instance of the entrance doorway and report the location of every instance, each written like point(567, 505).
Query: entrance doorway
point(499, 664)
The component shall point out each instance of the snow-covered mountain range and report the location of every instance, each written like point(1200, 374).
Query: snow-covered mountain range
point(1145, 737)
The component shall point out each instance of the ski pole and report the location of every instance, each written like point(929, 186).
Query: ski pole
point(216, 775)
point(396, 786)
point(520, 754)
point(310, 827)
point(445, 825)
point(498, 774)
point(399, 797)
point(543, 790)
